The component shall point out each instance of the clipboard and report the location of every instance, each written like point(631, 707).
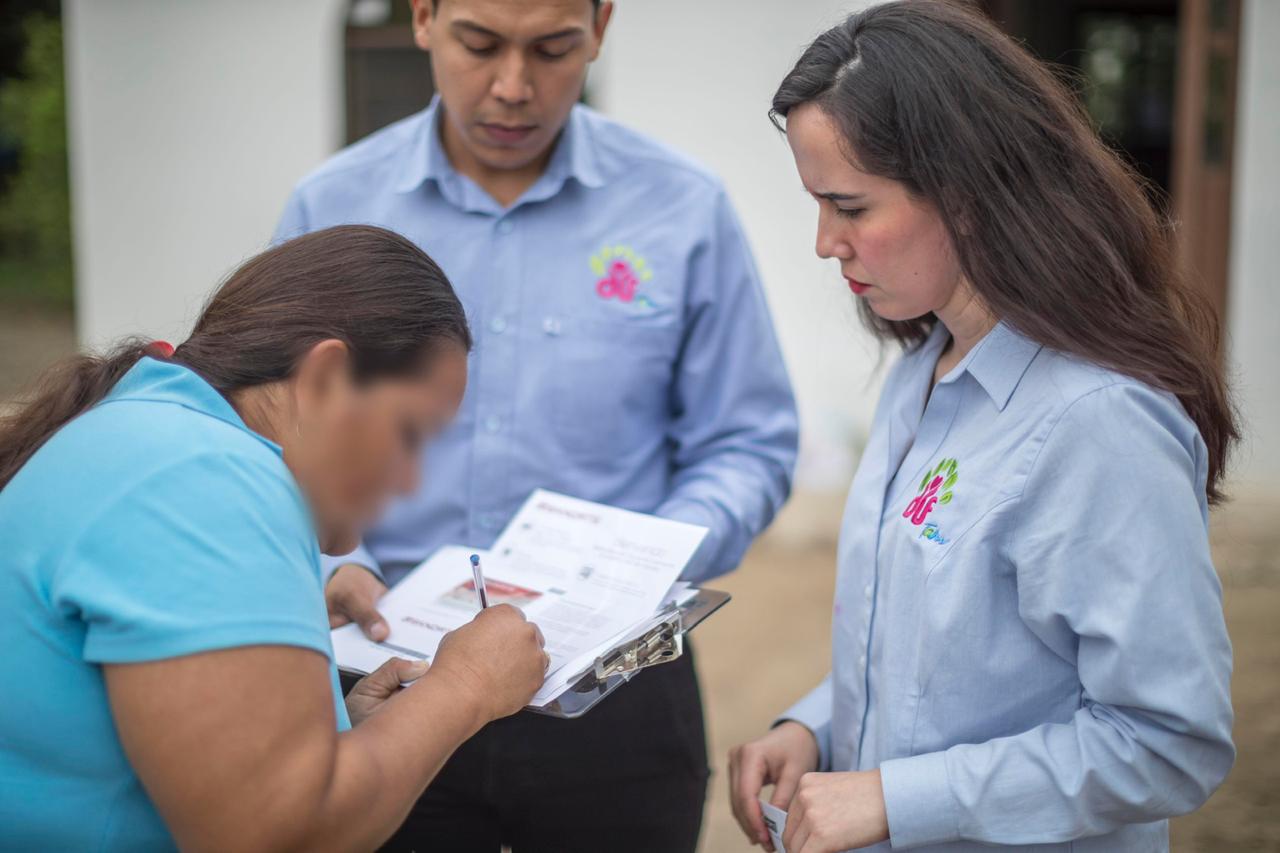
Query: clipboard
point(659, 644)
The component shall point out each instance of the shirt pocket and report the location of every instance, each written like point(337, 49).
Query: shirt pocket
point(613, 382)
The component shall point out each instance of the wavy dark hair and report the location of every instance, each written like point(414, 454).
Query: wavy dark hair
point(1054, 231)
point(368, 287)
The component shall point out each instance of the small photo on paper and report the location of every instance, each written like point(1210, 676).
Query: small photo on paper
point(463, 596)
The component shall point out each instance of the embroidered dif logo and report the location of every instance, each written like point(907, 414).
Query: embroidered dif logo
point(935, 489)
point(621, 272)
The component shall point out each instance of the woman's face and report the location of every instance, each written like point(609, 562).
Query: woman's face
point(355, 445)
point(894, 250)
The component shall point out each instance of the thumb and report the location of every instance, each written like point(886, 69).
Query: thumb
point(387, 678)
point(405, 671)
point(370, 620)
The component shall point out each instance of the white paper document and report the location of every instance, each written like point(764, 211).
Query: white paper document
point(775, 821)
point(587, 574)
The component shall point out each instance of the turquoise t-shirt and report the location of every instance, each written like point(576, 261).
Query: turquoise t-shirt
point(155, 525)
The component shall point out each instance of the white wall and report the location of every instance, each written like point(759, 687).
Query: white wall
point(700, 75)
point(188, 123)
point(1254, 310)
point(191, 121)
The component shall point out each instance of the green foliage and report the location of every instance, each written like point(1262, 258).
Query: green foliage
point(35, 211)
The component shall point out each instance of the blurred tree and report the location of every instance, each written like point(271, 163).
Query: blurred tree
point(35, 221)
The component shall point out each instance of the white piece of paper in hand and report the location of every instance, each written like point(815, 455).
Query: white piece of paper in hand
point(585, 573)
point(775, 820)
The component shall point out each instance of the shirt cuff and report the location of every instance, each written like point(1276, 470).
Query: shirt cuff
point(360, 556)
point(814, 713)
point(918, 801)
point(702, 565)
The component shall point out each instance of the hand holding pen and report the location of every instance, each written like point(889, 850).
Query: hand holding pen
point(477, 578)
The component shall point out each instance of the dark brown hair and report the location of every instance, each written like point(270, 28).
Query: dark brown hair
point(1053, 230)
point(368, 287)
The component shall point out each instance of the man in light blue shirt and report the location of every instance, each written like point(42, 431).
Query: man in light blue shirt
point(624, 354)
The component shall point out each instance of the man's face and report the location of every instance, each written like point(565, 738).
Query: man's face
point(509, 71)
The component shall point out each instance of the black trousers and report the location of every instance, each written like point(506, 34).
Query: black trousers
point(630, 775)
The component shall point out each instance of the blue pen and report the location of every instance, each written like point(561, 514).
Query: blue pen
point(477, 578)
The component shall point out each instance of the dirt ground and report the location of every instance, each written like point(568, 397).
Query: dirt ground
point(770, 644)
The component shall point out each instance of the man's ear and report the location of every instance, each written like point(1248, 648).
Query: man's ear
point(424, 15)
point(322, 372)
point(601, 23)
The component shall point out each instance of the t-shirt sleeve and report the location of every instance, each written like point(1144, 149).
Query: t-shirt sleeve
point(212, 552)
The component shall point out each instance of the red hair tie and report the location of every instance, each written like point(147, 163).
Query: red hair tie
point(160, 349)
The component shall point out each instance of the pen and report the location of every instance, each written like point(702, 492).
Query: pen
point(477, 577)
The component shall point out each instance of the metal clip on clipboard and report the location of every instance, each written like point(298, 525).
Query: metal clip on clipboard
point(658, 644)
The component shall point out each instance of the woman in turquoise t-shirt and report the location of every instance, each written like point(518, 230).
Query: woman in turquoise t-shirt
point(162, 513)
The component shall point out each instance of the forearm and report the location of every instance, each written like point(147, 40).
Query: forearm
point(383, 765)
point(735, 494)
point(1052, 784)
point(238, 748)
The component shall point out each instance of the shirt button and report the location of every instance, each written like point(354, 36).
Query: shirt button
point(862, 661)
point(867, 592)
point(505, 226)
point(492, 423)
point(498, 325)
point(551, 326)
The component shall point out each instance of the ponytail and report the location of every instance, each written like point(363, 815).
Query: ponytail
point(62, 393)
point(366, 286)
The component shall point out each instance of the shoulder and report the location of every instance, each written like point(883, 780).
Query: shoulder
point(626, 153)
point(1076, 389)
point(195, 538)
point(161, 454)
point(376, 159)
point(1098, 419)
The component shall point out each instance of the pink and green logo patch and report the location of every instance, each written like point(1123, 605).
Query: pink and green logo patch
point(934, 489)
point(621, 272)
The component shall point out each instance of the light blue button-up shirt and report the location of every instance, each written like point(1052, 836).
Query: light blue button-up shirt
point(624, 350)
point(1028, 637)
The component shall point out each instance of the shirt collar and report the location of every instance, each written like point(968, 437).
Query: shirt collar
point(158, 381)
point(574, 156)
point(997, 362)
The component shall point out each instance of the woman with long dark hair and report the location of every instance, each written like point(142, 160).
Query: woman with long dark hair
point(1028, 642)
point(162, 512)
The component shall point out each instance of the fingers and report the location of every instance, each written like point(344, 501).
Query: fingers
point(396, 671)
point(797, 832)
point(405, 671)
point(802, 833)
point(542, 644)
point(351, 595)
point(389, 677)
point(504, 611)
point(785, 788)
point(747, 774)
point(361, 610)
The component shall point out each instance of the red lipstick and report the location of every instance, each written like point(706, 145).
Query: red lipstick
point(856, 286)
